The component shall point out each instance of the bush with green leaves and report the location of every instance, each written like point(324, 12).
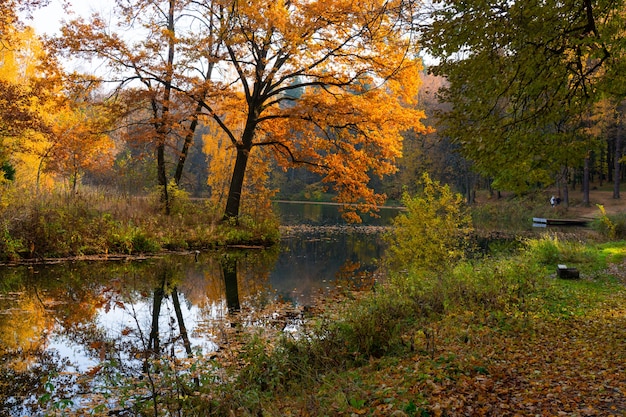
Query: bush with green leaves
point(433, 232)
point(611, 226)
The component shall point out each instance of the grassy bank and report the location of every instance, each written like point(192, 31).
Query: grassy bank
point(498, 336)
point(59, 225)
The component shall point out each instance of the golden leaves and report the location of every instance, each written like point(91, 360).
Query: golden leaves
point(326, 85)
point(78, 142)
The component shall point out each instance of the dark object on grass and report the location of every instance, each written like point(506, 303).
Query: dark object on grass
point(562, 271)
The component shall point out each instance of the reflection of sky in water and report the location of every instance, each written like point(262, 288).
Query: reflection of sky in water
point(308, 266)
point(79, 359)
point(128, 320)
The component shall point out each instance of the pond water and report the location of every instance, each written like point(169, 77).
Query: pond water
point(68, 327)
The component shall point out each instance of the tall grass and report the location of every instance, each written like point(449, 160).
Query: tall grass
point(61, 224)
point(611, 226)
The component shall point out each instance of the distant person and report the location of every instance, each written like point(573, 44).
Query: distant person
point(553, 201)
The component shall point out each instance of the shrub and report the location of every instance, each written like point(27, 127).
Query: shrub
point(373, 326)
point(550, 250)
point(613, 226)
point(434, 231)
point(10, 247)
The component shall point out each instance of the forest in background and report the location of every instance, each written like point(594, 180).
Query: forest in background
point(224, 101)
point(182, 98)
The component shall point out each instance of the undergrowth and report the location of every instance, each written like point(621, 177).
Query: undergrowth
point(413, 313)
point(58, 224)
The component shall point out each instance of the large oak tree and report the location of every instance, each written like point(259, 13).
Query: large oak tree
point(326, 84)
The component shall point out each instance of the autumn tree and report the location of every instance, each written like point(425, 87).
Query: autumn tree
point(163, 53)
point(78, 141)
point(27, 90)
point(522, 76)
point(327, 85)
point(15, 118)
point(355, 65)
point(10, 11)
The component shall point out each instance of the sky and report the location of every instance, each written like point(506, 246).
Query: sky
point(48, 19)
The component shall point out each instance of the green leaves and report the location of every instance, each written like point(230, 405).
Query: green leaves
point(522, 76)
point(433, 232)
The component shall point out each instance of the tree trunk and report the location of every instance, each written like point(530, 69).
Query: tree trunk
point(609, 159)
point(74, 182)
point(163, 125)
point(162, 177)
point(616, 164)
point(236, 184)
point(586, 181)
point(600, 170)
point(565, 187)
point(186, 145)
point(468, 188)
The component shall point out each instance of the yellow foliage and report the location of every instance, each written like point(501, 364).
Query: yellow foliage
point(77, 142)
point(433, 232)
point(221, 157)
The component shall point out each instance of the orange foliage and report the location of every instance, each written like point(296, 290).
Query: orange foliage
point(77, 142)
point(329, 85)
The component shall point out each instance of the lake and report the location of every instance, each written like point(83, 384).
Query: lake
point(68, 328)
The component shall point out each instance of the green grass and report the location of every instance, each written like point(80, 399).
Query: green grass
point(433, 330)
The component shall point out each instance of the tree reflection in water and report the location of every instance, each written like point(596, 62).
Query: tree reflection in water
point(117, 335)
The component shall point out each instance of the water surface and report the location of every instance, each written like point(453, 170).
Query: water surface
point(70, 327)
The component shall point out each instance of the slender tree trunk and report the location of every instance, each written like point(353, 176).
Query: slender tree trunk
point(600, 171)
point(565, 187)
point(468, 187)
point(162, 177)
point(616, 163)
point(236, 184)
point(586, 181)
point(609, 159)
point(74, 182)
point(74, 175)
point(40, 168)
point(186, 145)
point(164, 124)
point(191, 132)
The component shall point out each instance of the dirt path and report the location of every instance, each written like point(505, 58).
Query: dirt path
point(596, 197)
